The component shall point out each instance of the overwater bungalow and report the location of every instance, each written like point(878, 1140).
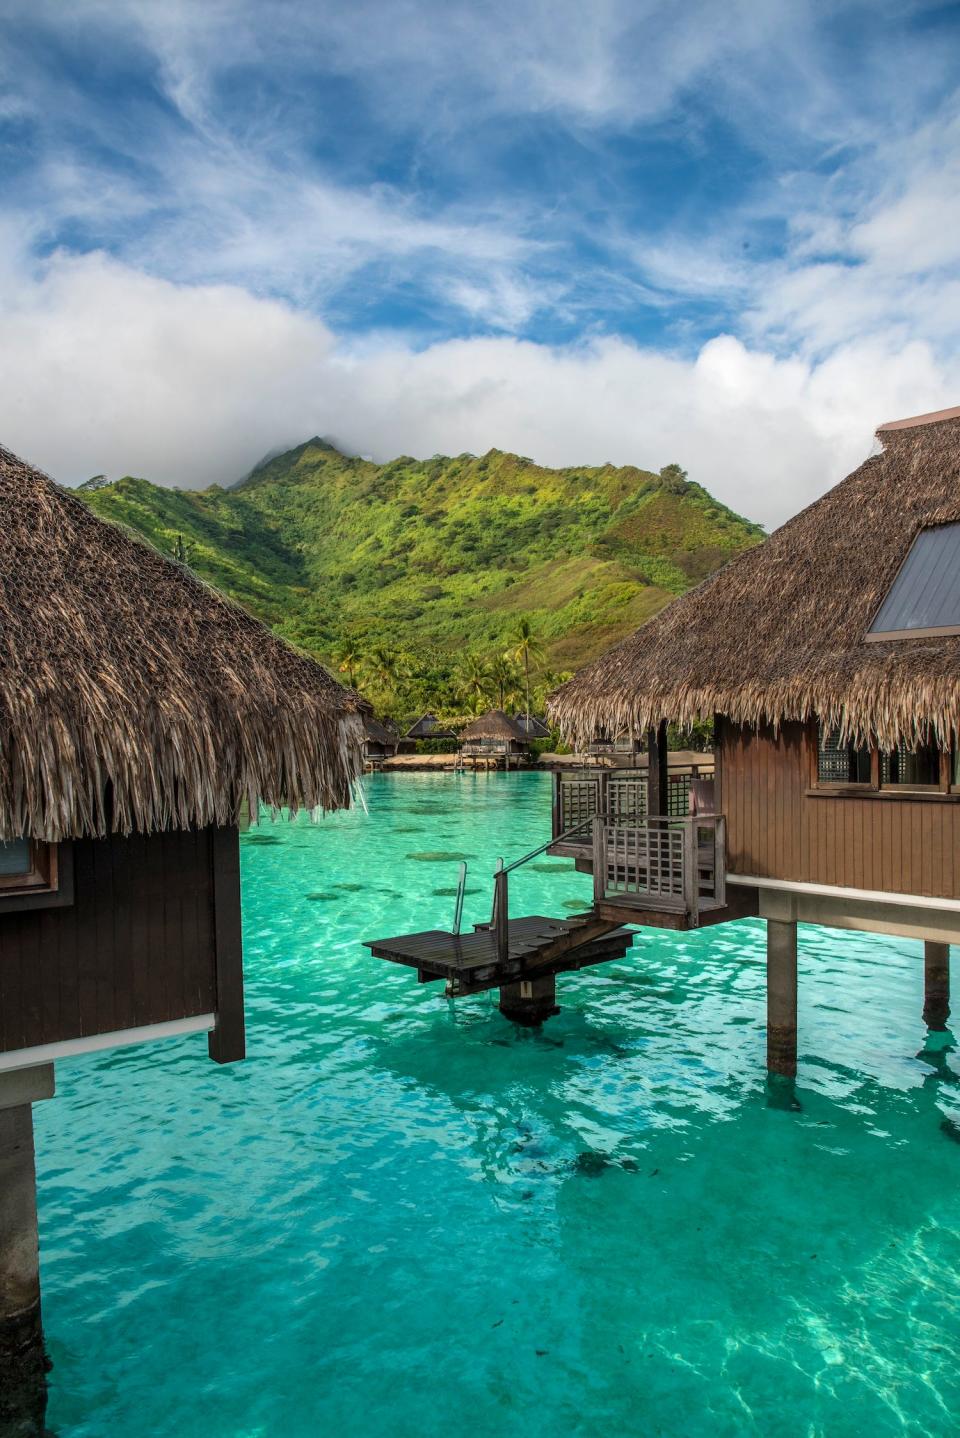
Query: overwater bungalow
point(532, 726)
point(494, 740)
point(828, 658)
point(379, 743)
point(428, 726)
point(139, 712)
point(622, 748)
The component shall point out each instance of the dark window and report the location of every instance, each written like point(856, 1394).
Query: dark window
point(27, 865)
point(841, 763)
point(925, 596)
point(917, 768)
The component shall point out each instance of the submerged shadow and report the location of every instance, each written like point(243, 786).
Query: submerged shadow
point(23, 1393)
point(781, 1093)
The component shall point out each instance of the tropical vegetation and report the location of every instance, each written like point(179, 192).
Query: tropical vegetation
point(450, 584)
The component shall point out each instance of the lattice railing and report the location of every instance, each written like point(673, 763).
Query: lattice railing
point(626, 798)
point(623, 796)
point(576, 799)
point(665, 863)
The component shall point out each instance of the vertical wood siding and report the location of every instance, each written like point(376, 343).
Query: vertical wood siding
point(137, 946)
point(776, 829)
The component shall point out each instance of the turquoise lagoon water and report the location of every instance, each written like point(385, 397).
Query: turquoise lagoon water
point(404, 1217)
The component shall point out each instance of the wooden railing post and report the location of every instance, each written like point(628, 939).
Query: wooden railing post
point(720, 860)
point(557, 826)
point(599, 859)
point(657, 777)
point(691, 878)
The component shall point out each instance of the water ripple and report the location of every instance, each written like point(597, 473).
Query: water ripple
point(403, 1215)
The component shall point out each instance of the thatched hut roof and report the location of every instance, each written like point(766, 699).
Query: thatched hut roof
point(133, 697)
point(493, 725)
point(376, 732)
point(428, 726)
point(779, 633)
point(532, 728)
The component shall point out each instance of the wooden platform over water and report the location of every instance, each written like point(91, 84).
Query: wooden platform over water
point(536, 945)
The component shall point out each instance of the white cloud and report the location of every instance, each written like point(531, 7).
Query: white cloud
point(104, 369)
point(170, 359)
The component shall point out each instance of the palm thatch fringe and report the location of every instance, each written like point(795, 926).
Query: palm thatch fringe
point(133, 697)
point(779, 633)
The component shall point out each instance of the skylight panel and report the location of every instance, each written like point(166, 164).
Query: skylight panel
point(924, 599)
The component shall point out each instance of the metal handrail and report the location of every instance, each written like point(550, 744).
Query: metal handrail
point(534, 853)
point(461, 890)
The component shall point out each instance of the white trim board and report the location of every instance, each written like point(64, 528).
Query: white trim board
point(831, 891)
point(94, 1043)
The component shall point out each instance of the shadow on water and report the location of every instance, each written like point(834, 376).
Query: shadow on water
point(23, 1394)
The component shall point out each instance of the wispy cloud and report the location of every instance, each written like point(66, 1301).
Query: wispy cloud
point(497, 222)
point(106, 369)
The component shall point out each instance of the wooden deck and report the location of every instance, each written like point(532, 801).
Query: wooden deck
point(470, 963)
point(632, 909)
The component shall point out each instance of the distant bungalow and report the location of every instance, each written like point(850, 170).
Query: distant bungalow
point(623, 746)
point(428, 726)
point(494, 739)
point(138, 712)
point(531, 726)
point(829, 660)
point(379, 743)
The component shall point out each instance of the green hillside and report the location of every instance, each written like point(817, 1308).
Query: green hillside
point(436, 557)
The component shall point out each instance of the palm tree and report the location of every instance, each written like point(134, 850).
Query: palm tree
point(525, 646)
point(547, 681)
point(504, 675)
point(473, 680)
point(382, 667)
point(348, 658)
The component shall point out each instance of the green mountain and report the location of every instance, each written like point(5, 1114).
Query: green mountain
point(440, 554)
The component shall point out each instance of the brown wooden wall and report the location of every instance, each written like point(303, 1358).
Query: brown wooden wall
point(138, 945)
point(777, 829)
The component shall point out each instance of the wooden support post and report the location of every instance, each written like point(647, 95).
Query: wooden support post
point(782, 997)
point(23, 1395)
point(657, 777)
point(530, 1001)
point(227, 1042)
point(936, 984)
point(599, 859)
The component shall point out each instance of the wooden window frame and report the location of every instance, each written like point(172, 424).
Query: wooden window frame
point(851, 787)
point(49, 884)
point(941, 787)
point(943, 792)
point(41, 877)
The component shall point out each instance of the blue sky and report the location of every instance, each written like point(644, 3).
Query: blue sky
point(721, 234)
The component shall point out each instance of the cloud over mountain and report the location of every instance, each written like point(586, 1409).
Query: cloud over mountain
point(628, 234)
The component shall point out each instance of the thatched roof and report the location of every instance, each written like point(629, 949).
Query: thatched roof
point(376, 732)
point(493, 725)
point(133, 697)
point(428, 726)
point(778, 634)
point(534, 728)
